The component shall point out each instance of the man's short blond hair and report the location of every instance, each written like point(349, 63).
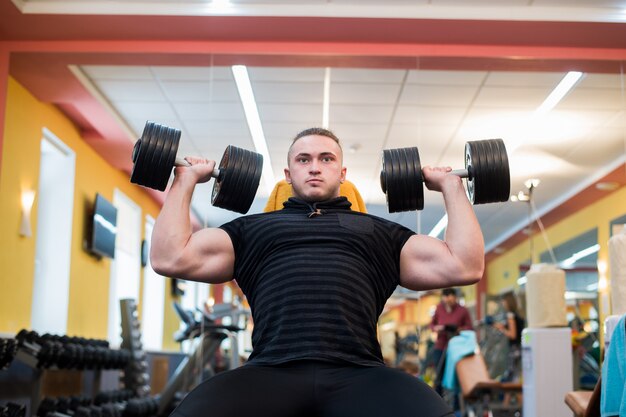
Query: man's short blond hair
point(314, 131)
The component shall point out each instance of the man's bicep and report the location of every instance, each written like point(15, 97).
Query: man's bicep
point(210, 255)
point(423, 263)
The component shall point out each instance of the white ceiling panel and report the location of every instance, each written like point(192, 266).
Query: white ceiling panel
point(426, 115)
point(146, 110)
point(355, 75)
point(288, 92)
point(200, 90)
point(279, 135)
point(286, 74)
point(360, 134)
point(566, 3)
point(600, 151)
point(417, 94)
point(193, 73)
point(446, 78)
point(210, 110)
point(359, 93)
point(475, 3)
point(523, 79)
point(612, 81)
point(131, 90)
point(594, 99)
point(343, 113)
point(108, 72)
point(513, 97)
point(307, 114)
point(216, 128)
point(426, 138)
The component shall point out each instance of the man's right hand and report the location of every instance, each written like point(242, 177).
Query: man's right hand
point(199, 172)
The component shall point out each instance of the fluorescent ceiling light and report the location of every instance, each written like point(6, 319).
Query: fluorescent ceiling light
point(442, 224)
point(326, 105)
point(580, 254)
point(560, 91)
point(244, 87)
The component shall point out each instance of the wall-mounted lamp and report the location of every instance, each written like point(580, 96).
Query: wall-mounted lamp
point(28, 197)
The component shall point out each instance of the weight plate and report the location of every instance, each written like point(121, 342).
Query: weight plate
point(408, 200)
point(393, 199)
point(156, 148)
point(470, 166)
point(482, 176)
point(495, 189)
point(216, 196)
point(233, 180)
point(250, 186)
point(488, 164)
point(154, 155)
point(401, 179)
point(418, 184)
point(166, 168)
point(244, 171)
point(162, 171)
point(139, 153)
point(503, 171)
point(231, 183)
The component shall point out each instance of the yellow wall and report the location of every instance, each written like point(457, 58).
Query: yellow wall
point(89, 277)
point(504, 270)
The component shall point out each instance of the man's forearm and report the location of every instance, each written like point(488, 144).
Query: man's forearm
point(172, 228)
point(463, 234)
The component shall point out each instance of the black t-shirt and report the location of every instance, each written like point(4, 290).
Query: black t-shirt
point(317, 277)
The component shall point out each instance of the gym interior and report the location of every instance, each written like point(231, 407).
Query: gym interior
point(89, 328)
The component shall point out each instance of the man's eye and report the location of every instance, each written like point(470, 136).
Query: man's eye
point(303, 160)
point(327, 159)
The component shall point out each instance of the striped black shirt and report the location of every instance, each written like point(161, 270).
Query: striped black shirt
point(317, 277)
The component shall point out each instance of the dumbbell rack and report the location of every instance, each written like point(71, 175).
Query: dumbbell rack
point(35, 358)
point(136, 376)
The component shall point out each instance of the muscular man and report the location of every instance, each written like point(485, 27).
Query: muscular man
point(316, 275)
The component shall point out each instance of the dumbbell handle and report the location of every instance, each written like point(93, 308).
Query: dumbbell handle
point(182, 162)
point(463, 173)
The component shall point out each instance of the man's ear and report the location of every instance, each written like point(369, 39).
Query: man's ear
point(287, 176)
point(343, 174)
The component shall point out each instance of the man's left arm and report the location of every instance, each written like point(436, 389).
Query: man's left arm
point(459, 259)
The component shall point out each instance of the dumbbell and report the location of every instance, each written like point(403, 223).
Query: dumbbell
point(237, 176)
point(486, 171)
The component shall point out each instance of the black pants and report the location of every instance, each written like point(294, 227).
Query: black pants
point(313, 389)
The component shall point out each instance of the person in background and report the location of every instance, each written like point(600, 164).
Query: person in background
point(512, 329)
point(449, 319)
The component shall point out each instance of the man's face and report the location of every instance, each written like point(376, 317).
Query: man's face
point(450, 300)
point(315, 168)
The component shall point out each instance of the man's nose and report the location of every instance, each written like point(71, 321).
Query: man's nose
point(314, 167)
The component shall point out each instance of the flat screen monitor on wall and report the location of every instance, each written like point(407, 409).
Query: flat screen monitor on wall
point(104, 228)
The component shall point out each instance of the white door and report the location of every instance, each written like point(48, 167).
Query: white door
point(153, 298)
point(55, 206)
point(125, 267)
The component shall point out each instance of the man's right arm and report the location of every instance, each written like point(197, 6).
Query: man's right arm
point(206, 255)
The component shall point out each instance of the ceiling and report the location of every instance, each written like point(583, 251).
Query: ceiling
point(432, 74)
